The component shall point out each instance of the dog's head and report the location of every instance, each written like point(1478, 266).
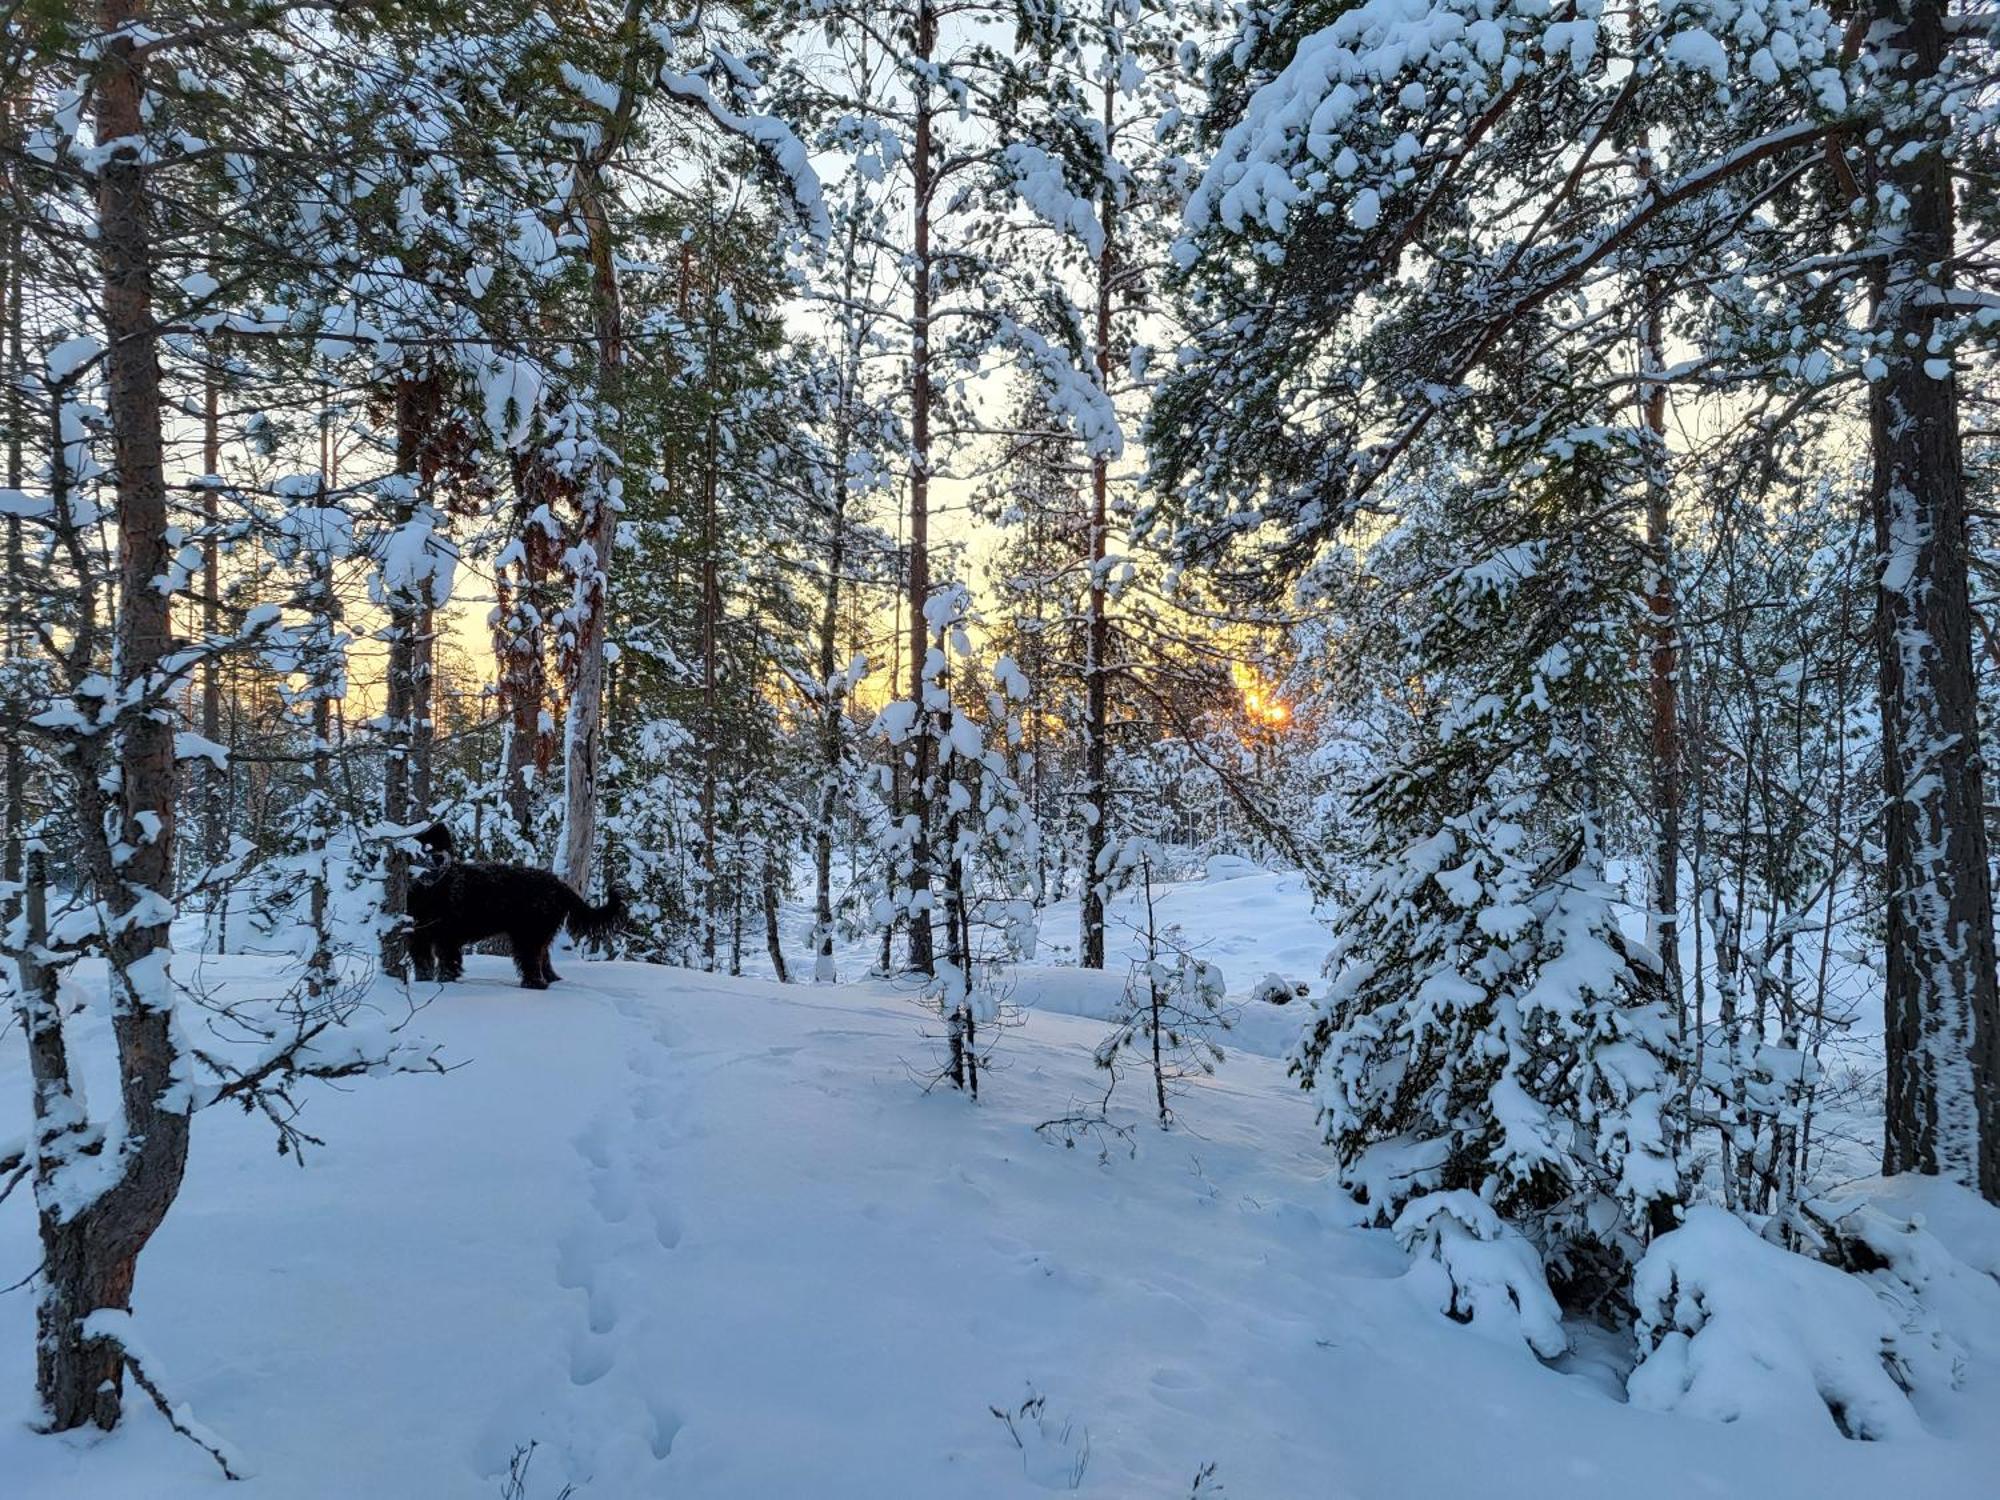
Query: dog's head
point(439, 852)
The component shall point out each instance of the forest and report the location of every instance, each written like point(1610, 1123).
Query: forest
point(1397, 598)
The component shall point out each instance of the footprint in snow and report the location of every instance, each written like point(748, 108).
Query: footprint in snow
point(666, 1426)
point(590, 1359)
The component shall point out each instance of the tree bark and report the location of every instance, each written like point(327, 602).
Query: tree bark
point(522, 644)
point(830, 738)
point(923, 953)
point(711, 716)
point(1663, 660)
point(214, 778)
point(90, 1254)
point(831, 705)
point(584, 732)
point(1942, 1011)
point(1096, 789)
point(773, 938)
point(416, 411)
point(15, 367)
point(423, 732)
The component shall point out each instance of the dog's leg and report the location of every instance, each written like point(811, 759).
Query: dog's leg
point(527, 960)
point(451, 962)
point(423, 958)
point(548, 969)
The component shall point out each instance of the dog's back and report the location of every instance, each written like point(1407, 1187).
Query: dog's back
point(476, 900)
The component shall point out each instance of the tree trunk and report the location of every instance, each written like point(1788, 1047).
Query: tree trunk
point(1153, 994)
point(1663, 686)
point(90, 1252)
point(830, 742)
point(423, 732)
point(923, 955)
point(1096, 787)
point(583, 737)
point(16, 810)
point(522, 649)
point(738, 874)
point(773, 939)
point(416, 410)
point(214, 778)
point(711, 718)
point(320, 963)
point(1942, 1012)
point(831, 706)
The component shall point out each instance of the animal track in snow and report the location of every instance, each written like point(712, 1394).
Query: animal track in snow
point(618, 1254)
point(666, 1426)
point(590, 1359)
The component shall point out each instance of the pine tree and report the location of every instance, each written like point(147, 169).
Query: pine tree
point(1173, 1003)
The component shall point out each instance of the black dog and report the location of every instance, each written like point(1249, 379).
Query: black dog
point(452, 904)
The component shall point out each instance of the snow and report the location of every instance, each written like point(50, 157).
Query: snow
point(1038, 177)
point(1072, 394)
point(1742, 1330)
point(1699, 52)
point(770, 134)
point(1480, 1270)
point(512, 390)
point(704, 1237)
point(70, 356)
point(191, 746)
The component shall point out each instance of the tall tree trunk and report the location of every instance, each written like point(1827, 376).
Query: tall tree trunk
point(1663, 661)
point(423, 733)
point(923, 954)
point(320, 962)
point(1097, 630)
point(832, 705)
point(90, 1252)
point(831, 741)
point(416, 413)
point(711, 716)
point(1942, 1016)
point(12, 369)
point(214, 778)
point(522, 642)
point(584, 733)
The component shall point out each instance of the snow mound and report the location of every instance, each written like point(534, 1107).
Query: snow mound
point(1930, 1249)
point(1476, 1269)
point(1221, 867)
point(1735, 1328)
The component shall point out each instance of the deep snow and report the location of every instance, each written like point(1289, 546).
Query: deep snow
point(705, 1237)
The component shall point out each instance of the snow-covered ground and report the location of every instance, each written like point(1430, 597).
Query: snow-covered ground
point(700, 1237)
point(1250, 922)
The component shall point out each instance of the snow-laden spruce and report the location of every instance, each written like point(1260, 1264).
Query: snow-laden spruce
point(1488, 1028)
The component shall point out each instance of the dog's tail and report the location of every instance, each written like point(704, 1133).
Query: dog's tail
point(587, 921)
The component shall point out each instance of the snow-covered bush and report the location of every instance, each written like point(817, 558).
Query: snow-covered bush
point(1732, 1326)
point(1275, 989)
point(1930, 1250)
point(1172, 1008)
point(968, 857)
point(1478, 1269)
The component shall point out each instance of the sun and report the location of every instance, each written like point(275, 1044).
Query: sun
point(1262, 706)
